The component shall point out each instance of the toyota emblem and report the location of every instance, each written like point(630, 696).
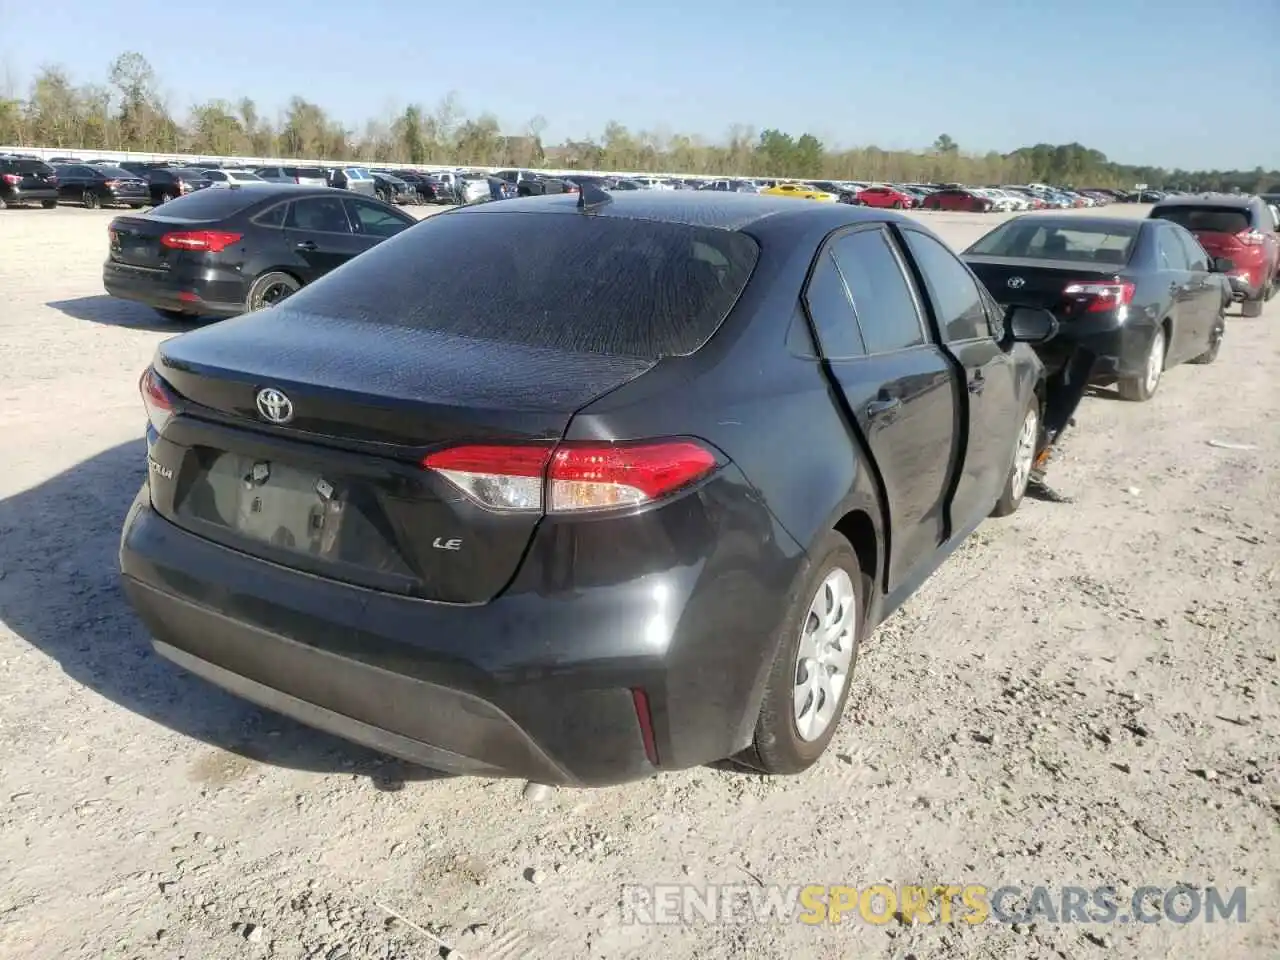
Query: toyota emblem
point(274, 406)
point(1016, 282)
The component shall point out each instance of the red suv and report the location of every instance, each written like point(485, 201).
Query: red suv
point(1242, 230)
point(954, 199)
point(884, 197)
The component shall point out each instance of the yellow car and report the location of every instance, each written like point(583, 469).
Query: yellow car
point(804, 191)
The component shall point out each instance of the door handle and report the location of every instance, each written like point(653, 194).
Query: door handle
point(977, 383)
point(879, 408)
point(307, 245)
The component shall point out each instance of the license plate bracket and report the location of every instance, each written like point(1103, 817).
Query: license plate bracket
point(288, 508)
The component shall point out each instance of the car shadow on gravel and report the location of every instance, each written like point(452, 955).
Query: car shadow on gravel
point(59, 592)
point(114, 312)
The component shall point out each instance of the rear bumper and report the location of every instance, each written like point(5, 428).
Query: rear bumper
point(1242, 288)
point(537, 684)
point(1121, 351)
point(200, 291)
point(31, 196)
point(129, 199)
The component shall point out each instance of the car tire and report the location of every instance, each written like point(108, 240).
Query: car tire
point(1143, 387)
point(1215, 341)
point(90, 200)
point(1251, 308)
point(897, 204)
point(4, 204)
point(269, 289)
point(832, 581)
point(1025, 447)
point(166, 197)
point(48, 204)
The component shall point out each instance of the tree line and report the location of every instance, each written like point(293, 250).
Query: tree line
point(127, 112)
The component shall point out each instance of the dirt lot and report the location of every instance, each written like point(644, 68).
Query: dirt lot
point(1085, 694)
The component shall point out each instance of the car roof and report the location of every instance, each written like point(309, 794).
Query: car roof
point(1211, 201)
point(725, 211)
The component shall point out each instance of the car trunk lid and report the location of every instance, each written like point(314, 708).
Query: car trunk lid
point(339, 489)
point(1040, 283)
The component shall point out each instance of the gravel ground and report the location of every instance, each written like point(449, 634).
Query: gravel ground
point(1084, 694)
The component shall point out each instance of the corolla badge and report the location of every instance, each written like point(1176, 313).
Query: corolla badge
point(274, 406)
point(1016, 282)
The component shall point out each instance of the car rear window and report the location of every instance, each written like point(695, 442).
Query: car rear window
point(27, 166)
point(1206, 219)
point(1034, 239)
point(209, 204)
point(571, 282)
point(315, 173)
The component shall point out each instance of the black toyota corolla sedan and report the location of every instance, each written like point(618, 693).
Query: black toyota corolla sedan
point(1140, 295)
point(580, 488)
point(223, 252)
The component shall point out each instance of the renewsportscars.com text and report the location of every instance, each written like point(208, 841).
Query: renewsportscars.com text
point(817, 904)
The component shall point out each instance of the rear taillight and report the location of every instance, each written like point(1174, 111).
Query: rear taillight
point(10, 178)
point(207, 241)
point(572, 476)
point(1251, 238)
point(112, 184)
point(1101, 297)
point(158, 398)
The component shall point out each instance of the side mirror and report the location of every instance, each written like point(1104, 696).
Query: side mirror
point(1030, 325)
point(1222, 265)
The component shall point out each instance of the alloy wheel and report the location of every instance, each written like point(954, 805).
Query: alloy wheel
point(1155, 363)
point(825, 656)
point(1024, 454)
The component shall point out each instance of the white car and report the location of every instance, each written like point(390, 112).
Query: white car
point(1018, 200)
point(225, 178)
point(472, 188)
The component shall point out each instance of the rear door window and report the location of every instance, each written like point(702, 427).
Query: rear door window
point(1196, 256)
point(273, 216)
point(827, 300)
point(955, 293)
point(566, 282)
point(882, 299)
point(1170, 254)
point(318, 215)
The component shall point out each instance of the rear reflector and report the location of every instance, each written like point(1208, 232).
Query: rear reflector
point(158, 398)
point(645, 718)
point(209, 241)
point(1101, 296)
point(572, 476)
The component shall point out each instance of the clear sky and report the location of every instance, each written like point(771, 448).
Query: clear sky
point(1189, 83)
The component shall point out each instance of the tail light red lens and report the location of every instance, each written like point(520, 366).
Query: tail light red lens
point(1101, 297)
point(572, 476)
point(10, 178)
point(112, 184)
point(207, 241)
point(157, 397)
